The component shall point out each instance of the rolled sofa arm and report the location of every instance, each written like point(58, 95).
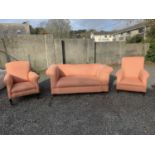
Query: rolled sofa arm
point(104, 73)
point(53, 73)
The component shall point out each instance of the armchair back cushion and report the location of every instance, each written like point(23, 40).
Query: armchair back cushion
point(18, 70)
point(132, 66)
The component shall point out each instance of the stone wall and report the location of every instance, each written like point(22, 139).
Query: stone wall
point(38, 49)
point(79, 51)
point(43, 50)
point(111, 53)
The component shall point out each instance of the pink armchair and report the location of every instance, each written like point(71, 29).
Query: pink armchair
point(132, 76)
point(19, 80)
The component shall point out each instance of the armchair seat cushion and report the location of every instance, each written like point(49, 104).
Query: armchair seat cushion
point(22, 86)
point(131, 81)
point(79, 81)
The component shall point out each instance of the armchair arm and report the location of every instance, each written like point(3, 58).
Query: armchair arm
point(53, 73)
point(8, 80)
point(143, 76)
point(32, 76)
point(119, 75)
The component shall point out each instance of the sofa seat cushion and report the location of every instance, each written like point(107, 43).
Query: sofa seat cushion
point(78, 81)
point(131, 81)
point(22, 86)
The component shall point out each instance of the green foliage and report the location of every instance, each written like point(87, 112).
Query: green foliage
point(150, 56)
point(40, 30)
point(37, 30)
point(151, 34)
point(32, 30)
point(135, 39)
point(151, 53)
point(150, 23)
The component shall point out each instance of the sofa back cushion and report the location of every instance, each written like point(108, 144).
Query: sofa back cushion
point(79, 69)
point(19, 70)
point(132, 66)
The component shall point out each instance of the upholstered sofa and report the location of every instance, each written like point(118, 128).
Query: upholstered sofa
point(79, 78)
point(20, 80)
point(132, 76)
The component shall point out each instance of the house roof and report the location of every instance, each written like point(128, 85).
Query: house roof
point(137, 26)
point(103, 32)
point(140, 25)
point(13, 28)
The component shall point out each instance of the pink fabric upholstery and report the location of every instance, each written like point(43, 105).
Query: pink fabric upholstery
point(22, 86)
point(19, 80)
point(132, 76)
point(77, 81)
point(18, 70)
point(132, 66)
point(79, 78)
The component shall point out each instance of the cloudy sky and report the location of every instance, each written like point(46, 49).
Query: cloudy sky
point(76, 24)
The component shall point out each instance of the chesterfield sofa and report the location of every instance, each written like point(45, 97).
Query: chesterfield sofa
point(19, 80)
point(78, 78)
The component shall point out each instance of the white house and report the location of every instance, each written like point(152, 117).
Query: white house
point(102, 37)
point(120, 35)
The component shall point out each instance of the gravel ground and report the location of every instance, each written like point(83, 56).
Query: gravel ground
point(97, 113)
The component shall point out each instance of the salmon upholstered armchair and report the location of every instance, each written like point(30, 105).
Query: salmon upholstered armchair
point(79, 78)
point(19, 80)
point(132, 76)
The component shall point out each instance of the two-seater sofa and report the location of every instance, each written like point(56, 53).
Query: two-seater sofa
point(79, 78)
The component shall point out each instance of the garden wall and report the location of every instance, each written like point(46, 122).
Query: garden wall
point(38, 49)
point(111, 53)
point(43, 50)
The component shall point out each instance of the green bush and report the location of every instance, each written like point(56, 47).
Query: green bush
point(150, 56)
point(135, 39)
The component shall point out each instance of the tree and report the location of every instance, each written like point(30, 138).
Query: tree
point(135, 39)
point(150, 56)
point(32, 30)
point(40, 30)
point(37, 30)
point(151, 31)
point(60, 28)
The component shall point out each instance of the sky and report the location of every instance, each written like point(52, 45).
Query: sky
point(76, 24)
